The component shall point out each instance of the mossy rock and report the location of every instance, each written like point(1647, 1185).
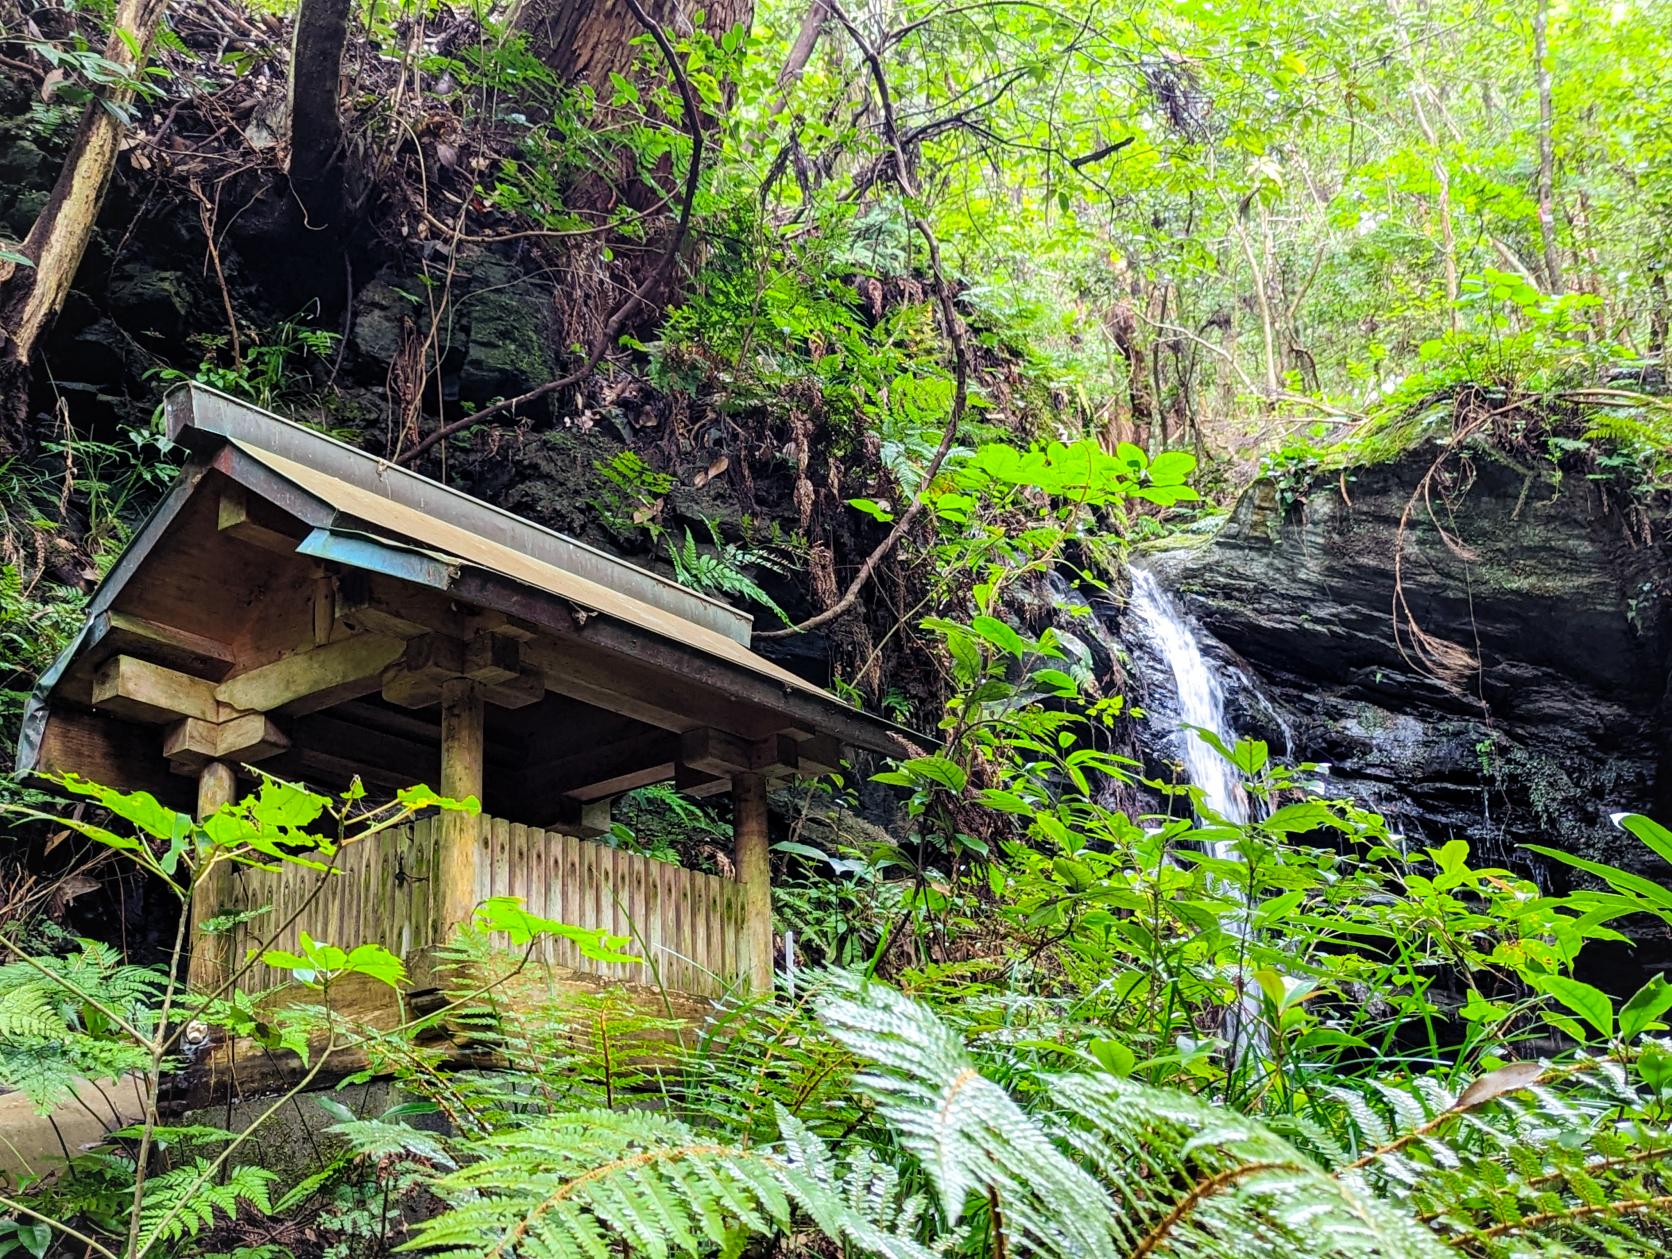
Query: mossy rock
point(507, 321)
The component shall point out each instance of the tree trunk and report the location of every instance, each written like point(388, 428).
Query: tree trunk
point(1659, 315)
point(801, 52)
point(1546, 148)
point(1123, 329)
point(585, 41)
point(316, 130)
point(32, 296)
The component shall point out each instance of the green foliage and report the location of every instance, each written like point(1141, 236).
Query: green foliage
point(317, 964)
point(632, 491)
point(56, 1020)
point(182, 1202)
point(268, 370)
point(570, 1184)
point(720, 569)
point(1526, 1160)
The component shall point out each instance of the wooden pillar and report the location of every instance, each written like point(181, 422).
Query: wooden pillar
point(216, 785)
point(461, 776)
point(754, 872)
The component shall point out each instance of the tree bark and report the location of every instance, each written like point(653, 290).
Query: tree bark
point(1546, 148)
point(585, 41)
point(32, 296)
point(1122, 323)
point(1660, 314)
point(801, 52)
point(316, 129)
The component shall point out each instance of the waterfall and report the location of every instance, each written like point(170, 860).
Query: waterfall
point(1201, 697)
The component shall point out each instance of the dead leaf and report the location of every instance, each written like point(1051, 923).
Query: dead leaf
point(714, 470)
point(1506, 1079)
point(49, 85)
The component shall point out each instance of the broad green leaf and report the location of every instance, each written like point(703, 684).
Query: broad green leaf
point(1000, 635)
point(1171, 467)
point(1649, 831)
point(1658, 899)
point(1648, 1003)
point(1589, 1003)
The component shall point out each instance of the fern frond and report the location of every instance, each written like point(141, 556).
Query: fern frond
point(379, 1138)
point(972, 1138)
point(167, 1215)
point(1547, 1168)
point(578, 1184)
point(52, 1033)
point(1105, 1166)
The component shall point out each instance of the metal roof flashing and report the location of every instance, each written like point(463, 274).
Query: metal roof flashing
point(198, 417)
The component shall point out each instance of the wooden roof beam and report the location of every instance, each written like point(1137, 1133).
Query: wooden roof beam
point(722, 755)
point(610, 770)
point(491, 660)
point(256, 521)
point(138, 690)
point(122, 633)
point(619, 684)
point(316, 677)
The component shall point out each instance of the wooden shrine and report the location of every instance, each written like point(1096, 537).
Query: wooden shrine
point(298, 605)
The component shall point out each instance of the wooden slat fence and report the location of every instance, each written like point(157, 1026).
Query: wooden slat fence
point(685, 924)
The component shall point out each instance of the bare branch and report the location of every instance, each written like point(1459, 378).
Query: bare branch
point(955, 331)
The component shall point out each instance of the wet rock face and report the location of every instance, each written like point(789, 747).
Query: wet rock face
point(1543, 597)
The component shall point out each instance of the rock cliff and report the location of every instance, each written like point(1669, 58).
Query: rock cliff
point(1479, 649)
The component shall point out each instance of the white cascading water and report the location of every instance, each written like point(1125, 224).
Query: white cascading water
point(1201, 701)
point(1201, 698)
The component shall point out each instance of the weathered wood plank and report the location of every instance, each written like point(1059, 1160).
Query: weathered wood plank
point(685, 940)
point(590, 908)
point(138, 690)
point(418, 871)
point(573, 885)
point(315, 678)
point(716, 958)
point(646, 902)
point(503, 884)
point(123, 633)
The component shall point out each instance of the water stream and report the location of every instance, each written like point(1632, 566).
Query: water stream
point(1201, 698)
point(1200, 691)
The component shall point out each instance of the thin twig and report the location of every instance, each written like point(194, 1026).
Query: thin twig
point(955, 331)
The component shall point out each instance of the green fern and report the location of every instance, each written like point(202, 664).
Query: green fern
point(167, 1215)
point(720, 571)
point(1646, 432)
point(578, 1184)
point(387, 1136)
point(53, 1032)
point(1106, 1167)
point(1529, 1160)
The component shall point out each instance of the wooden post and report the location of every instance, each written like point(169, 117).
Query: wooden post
point(754, 872)
point(461, 775)
point(216, 785)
